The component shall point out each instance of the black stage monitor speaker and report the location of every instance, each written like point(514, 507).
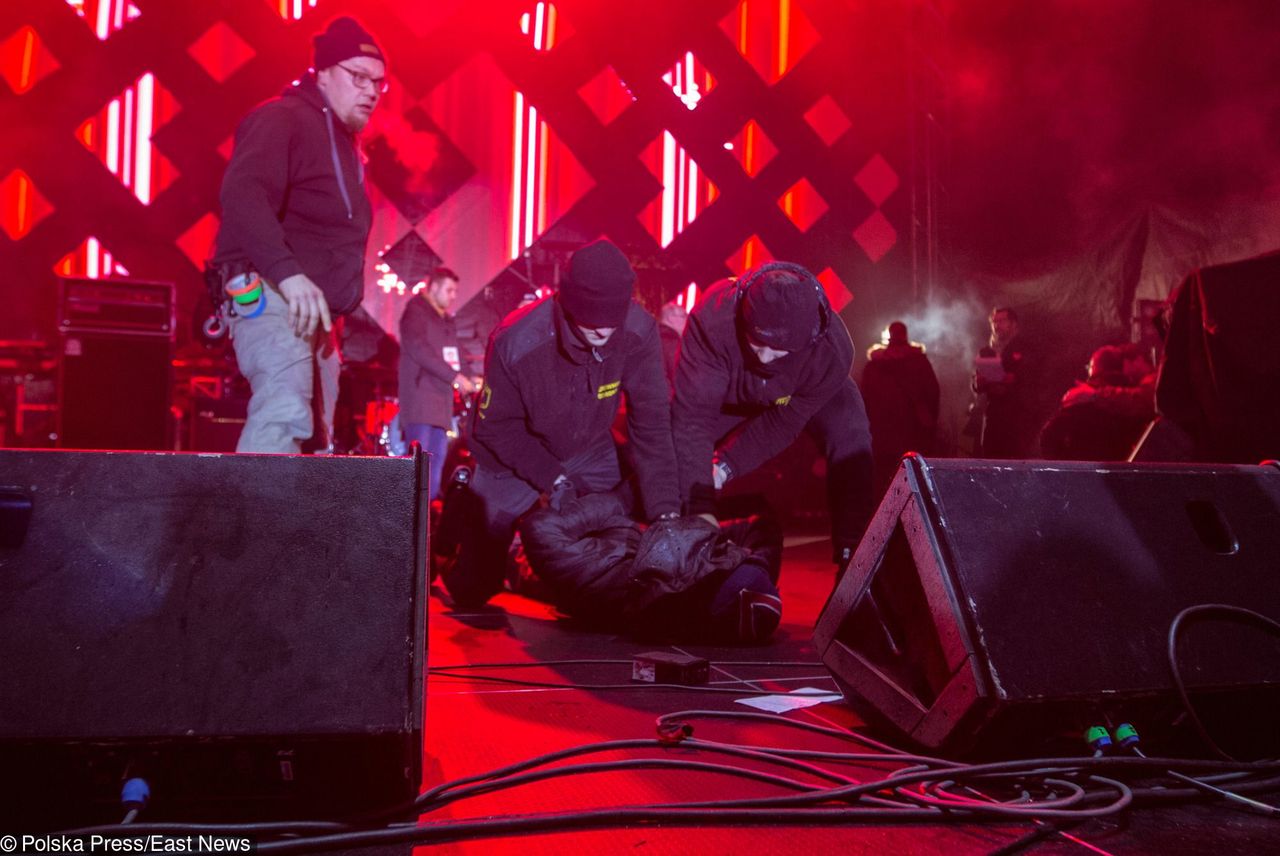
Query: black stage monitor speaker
point(114, 371)
point(246, 632)
point(114, 391)
point(996, 604)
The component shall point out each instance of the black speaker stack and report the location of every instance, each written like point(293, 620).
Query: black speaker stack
point(115, 339)
point(245, 632)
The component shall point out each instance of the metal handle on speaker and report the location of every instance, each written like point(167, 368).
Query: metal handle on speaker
point(15, 518)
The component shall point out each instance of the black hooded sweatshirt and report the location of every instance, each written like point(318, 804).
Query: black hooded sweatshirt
point(293, 197)
point(548, 396)
point(718, 377)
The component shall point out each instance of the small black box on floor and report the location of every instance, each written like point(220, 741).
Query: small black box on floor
point(246, 632)
point(666, 667)
point(994, 604)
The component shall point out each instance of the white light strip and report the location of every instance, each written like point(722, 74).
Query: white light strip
point(544, 143)
point(537, 27)
point(103, 29)
point(530, 155)
point(91, 250)
point(691, 193)
point(146, 102)
point(668, 182)
point(113, 136)
point(517, 186)
point(126, 134)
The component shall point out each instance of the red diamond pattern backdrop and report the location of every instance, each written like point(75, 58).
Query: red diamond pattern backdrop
point(701, 137)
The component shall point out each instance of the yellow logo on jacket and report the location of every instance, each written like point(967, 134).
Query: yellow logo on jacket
point(608, 390)
point(782, 402)
point(486, 395)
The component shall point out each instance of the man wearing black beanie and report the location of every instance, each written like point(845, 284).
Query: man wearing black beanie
point(555, 372)
point(291, 246)
point(762, 359)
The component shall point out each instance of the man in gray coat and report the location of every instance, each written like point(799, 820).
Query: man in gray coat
point(430, 369)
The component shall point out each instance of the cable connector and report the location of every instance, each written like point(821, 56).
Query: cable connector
point(133, 798)
point(1127, 736)
point(135, 793)
point(673, 733)
point(1098, 738)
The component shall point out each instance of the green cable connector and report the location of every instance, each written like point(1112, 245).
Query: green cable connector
point(1126, 735)
point(1098, 737)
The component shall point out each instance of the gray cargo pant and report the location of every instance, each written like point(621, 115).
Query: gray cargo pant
point(283, 370)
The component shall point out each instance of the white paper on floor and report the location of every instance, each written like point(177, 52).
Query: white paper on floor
point(794, 700)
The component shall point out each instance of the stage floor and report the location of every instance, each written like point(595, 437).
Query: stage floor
point(473, 726)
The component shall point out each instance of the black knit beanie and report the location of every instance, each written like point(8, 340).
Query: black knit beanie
point(596, 291)
point(781, 307)
point(344, 39)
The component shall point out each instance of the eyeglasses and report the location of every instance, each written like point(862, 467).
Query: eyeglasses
point(364, 81)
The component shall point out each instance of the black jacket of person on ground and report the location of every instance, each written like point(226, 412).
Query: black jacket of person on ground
point(717, 375)
point(601, 566)
point(549, 396)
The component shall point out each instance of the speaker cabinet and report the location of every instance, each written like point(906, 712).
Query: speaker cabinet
point(114, 391)
point(246, 632)
point(993, 605)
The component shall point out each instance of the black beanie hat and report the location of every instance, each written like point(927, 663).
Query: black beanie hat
point(781, 307)
point(344, 39)
point(596, 291)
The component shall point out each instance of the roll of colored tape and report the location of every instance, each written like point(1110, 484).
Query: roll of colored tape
point(257, 310)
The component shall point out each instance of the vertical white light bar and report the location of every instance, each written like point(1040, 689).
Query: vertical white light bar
point(126, 134)
point(544, 146)
point(682, 163)
point(91, 263)
point(146, 103)
point(530, 154)
point(517, 186)
point(103, 28)
point(691, 198)
point(690, 295)
point(668, 184)
point(113, 136)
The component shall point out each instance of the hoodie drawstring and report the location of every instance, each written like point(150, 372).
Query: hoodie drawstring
point(337, 164)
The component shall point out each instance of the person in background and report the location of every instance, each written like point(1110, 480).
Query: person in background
point(1100, 418)
point(902, 396)
point(1009, 422)
point(431, 369)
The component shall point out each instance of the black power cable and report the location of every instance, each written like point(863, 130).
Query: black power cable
point(1207, 609)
